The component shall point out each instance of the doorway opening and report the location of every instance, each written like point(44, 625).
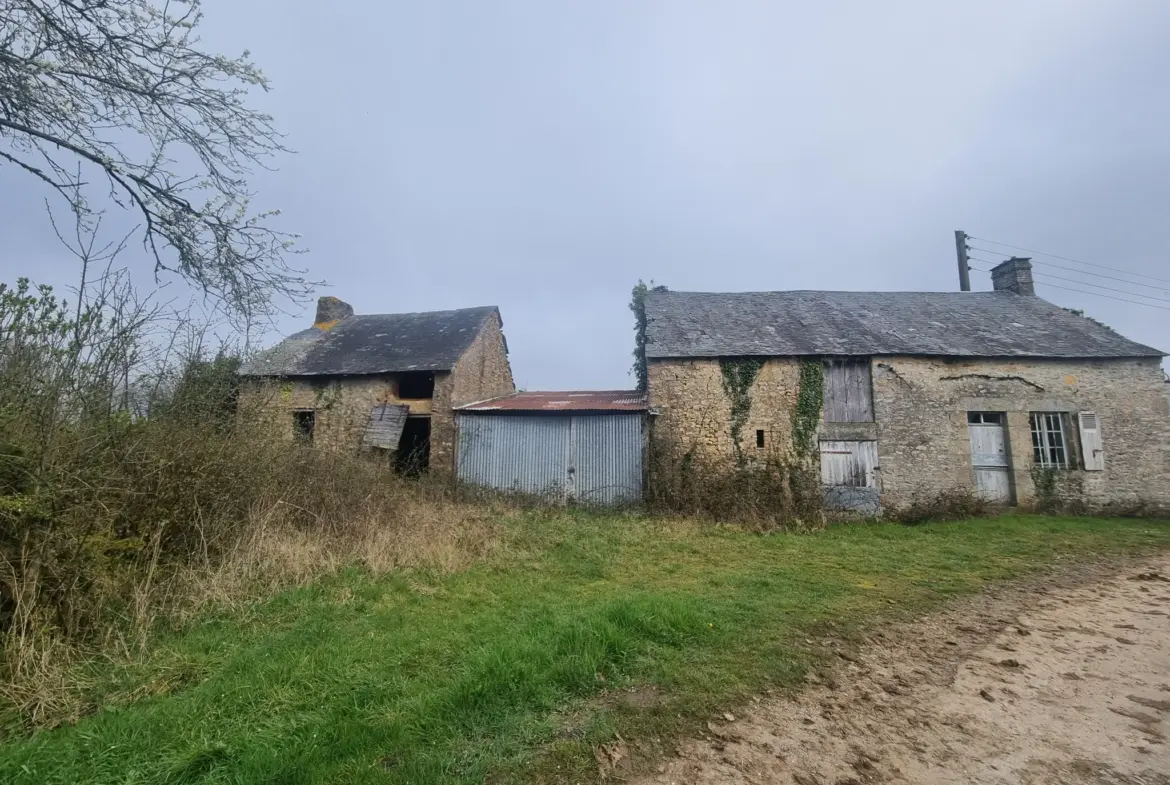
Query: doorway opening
point(413, 456)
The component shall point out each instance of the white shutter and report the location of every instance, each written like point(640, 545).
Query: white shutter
point(1093, 453)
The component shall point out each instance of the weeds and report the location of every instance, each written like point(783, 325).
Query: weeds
point(774, 494)
point(953, 505)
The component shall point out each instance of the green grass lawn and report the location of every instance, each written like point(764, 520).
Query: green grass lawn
point(516, 668)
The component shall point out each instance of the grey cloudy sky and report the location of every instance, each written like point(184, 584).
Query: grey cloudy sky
point(542, 156)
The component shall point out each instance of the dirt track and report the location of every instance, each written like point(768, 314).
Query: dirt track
point(1064, 684)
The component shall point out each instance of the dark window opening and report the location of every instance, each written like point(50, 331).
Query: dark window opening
point(416, 385)
point(759, 438)
point(985, 418)
point(304, 421)
point(413, 456)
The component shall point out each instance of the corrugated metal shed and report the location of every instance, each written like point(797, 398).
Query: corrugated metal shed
point(384, 430)
point(567, 401)
point(590, 458)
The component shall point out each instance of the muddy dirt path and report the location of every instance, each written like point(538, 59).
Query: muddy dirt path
point(1065, 683)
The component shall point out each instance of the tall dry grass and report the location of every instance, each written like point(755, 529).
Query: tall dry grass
point(174, 516)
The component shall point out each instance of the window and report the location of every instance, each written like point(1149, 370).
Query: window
point(848, 395)
point(416, 385)
point(759, 438)
point(1050, 440)
point(985, 418)
point(304, 420)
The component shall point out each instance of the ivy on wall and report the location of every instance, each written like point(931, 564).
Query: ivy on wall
point(806, 416)
point(638, 307)
point(739, 374)
point(328, 394)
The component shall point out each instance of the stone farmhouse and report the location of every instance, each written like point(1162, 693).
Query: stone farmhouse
point(896, 395)
point(382, 383)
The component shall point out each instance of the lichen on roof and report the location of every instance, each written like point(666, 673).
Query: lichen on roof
point(375, 343)
point(796, 323)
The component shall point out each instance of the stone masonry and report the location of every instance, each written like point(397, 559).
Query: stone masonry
point(920, 408)
point(342, 404)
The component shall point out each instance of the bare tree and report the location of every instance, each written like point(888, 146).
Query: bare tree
point(116, 94)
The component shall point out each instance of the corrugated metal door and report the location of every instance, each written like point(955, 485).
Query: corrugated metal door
point(595, 459)
point(525, 454)
point(607, 458)
point(989, 458)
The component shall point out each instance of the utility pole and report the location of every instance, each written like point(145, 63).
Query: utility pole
point(961, 251)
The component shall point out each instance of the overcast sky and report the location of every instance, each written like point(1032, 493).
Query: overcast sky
point(543, 156)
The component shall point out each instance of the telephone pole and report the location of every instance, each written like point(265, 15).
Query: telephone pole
point(961, 251)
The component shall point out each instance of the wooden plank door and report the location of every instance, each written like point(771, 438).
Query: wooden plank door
point(989, 457)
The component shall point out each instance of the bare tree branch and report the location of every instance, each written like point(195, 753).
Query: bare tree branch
point(121, 87)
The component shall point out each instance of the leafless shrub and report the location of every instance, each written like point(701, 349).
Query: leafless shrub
point(777, 493)
point(135, 491)
point(953, 505)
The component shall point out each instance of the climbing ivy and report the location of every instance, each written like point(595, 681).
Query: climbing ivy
point(739, 374)
point(638, 307)
point(806, 416)
point(328, 394)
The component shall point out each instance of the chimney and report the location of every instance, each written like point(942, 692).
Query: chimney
point(331, 310)
point(1014, 275)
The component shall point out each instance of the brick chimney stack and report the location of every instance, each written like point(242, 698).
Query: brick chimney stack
point(330, 310)
point(1014, 275)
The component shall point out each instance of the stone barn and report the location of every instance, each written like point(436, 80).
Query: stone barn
point(902, 395)
point(380, 382)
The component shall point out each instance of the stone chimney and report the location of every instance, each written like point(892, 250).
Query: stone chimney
point(1014, 275)
point(331, 310)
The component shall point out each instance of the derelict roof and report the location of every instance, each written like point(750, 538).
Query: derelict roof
point(375, 343)
point(569, 401)
point(953, 324)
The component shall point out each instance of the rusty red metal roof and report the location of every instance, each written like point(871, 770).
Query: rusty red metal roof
point(565, 401)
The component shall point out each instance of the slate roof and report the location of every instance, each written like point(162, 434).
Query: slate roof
point(375, 343)
point(952, 324)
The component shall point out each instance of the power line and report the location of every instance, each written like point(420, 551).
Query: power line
point(1082, 291)
point(1068, 259)
point(1111, 297)
point(1082, 272)
point(1088, 283)
point(1099, 286)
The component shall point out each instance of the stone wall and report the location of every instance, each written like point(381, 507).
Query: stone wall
point(920, 407)
point(695, 411)
point(482, 372)
point(342, 404)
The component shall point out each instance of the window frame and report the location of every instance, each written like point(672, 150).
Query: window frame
point(1044, 448)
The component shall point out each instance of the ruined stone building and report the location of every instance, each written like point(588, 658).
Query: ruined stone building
point(384, 383)
point(899, 395)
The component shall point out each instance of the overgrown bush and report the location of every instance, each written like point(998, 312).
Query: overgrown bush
point(953, 505)
point(775, 494)
point(133, 493)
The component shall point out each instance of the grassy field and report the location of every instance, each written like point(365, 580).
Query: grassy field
point(579, 627)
